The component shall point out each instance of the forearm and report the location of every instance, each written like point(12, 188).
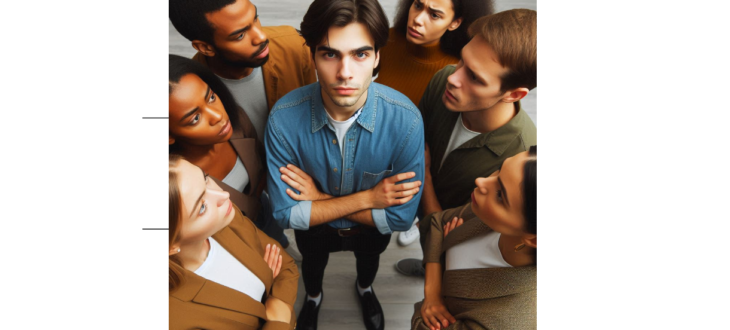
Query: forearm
point(327, 210)
point(429, 201)
point(432, 286)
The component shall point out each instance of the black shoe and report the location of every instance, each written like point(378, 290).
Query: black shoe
point(307, 319)
point(372, 313)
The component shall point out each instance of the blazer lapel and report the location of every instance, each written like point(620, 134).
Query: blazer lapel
point(199, 290)
point(246, 150)
point(247, 255)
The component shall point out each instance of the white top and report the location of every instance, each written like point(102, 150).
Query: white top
point(477, 252)
point(223, 268)
point(341, 127)
point(250, 94)
point(459, 136)
point(238, 176)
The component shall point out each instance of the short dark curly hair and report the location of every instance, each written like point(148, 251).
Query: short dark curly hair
point(188, 17)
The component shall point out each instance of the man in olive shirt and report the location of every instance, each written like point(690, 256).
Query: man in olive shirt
point(472, 115)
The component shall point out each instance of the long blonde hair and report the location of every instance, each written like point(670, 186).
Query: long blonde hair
point(176, 269)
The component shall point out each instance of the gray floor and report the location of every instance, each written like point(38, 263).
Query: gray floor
point(397, 293)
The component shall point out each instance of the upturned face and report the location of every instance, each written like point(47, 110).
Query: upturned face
point(428, 20)
point(206, 207)
point(238, 38)
point(476, 83)
point(345, 60)
point(197, 116)
point(497, 200)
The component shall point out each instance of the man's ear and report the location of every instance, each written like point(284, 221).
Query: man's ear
point(515, 95)
point(204, 48)
point(455, 24)
point(377, 59)
point(172, 140)
point(530, 240)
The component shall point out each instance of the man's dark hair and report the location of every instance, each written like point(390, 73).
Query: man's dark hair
point(323, 14)
point(188, 17)
point(452, 41)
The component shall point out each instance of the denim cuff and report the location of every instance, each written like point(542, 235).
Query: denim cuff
point(381, 221)
point(299, 215)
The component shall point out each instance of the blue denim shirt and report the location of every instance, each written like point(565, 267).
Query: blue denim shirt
point(386, 139)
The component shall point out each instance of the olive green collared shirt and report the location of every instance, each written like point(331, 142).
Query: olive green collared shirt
point(478, 157)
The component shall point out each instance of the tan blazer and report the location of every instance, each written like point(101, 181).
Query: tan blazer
point(289, 66)
point(480, 298)
point(250, 150)
point(202, 304)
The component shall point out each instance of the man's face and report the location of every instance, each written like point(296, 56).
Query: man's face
point(475, 85)
point(238, 39)
point(345, 60)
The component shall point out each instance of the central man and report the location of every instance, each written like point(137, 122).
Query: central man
point(333, 148)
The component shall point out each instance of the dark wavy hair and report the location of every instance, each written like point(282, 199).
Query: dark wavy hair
point(529, 192)
point(323, 14)
point(180, 66)
point(452, 41)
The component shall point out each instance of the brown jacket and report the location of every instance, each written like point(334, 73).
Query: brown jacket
point(479, 298)
point(289, 66)
point(202, 304)
point(250, 150)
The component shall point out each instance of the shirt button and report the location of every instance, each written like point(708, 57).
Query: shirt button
point(334, 141)
point(335, 169)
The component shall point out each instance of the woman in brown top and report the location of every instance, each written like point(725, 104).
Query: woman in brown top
point(224, 272)
point(426, 36)
point(489, 281)
point(210, 130)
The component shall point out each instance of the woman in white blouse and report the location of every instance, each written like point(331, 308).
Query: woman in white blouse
point(224, 272)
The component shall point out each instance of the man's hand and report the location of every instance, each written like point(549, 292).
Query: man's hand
point(434, 313)
point(273, 258)
point(387, 193)
point(451, 225)
point(299, 180)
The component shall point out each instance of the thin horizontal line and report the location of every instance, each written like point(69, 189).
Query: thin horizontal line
point(155, 117)
point(155, 229)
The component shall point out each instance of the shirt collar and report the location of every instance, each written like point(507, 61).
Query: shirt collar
point(499, 140)
point(366, 118)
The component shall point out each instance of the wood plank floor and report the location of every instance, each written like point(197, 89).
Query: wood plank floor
point(397, 293)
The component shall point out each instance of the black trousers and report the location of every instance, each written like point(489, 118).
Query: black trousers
point(316, 244)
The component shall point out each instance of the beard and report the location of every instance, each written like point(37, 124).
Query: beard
point(253, 62)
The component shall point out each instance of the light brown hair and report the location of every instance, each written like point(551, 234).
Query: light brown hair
point(176, 268)
point(512, 34)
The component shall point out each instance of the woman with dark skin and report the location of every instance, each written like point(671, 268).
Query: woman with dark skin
point(426, 36)
point(489, 246)
point(224, 273)
point(210, 130)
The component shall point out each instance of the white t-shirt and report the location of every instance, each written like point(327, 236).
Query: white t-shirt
point(459, 136)
point(341, 127)
point(238, 176)
point(477, 252)
point(223, 268)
